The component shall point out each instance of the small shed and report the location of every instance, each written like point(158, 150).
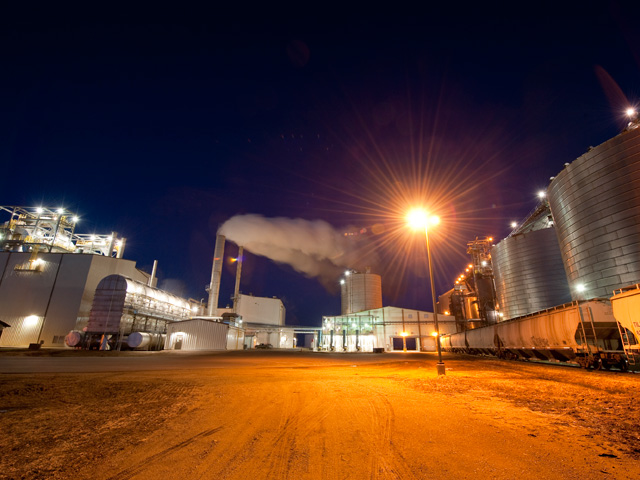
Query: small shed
point(203, 334)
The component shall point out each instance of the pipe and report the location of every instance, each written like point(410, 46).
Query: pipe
point(123, 242)
point(236, 292)
point(153, 273)
point(216, 273)
point(112, 243)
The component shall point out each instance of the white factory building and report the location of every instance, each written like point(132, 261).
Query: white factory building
point(365, 325)
point(256, 320)
point(387, 328)
point(49, 274)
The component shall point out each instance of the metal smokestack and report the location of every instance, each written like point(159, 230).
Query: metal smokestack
point(123, 242)
point(216, 272)
point(236, 292)
point(153, 273)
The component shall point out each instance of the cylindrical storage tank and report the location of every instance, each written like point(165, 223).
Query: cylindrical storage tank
point(144, 340)
point(529, 273)
point(363, 291)
point(73, 338)
point(595, 202)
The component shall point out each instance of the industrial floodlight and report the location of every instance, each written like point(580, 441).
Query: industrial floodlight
point(418, 219)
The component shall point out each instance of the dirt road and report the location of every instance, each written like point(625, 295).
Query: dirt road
point(278, 415)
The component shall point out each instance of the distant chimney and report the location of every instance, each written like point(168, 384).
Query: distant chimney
point(236, 293)
point(216, 273)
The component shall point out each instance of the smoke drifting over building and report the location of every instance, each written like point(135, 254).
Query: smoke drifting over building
point(311, 247)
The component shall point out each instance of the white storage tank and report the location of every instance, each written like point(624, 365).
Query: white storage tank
point(361, 291)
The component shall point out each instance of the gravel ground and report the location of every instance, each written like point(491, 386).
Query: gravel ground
point(274, 414)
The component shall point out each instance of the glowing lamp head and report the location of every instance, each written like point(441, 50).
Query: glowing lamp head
point(31, 321)
point(419, 219)
point(403, 334)
point(75, 219)
point(347, 273)
point(580, 287)
point(39, 210)
point(342, 281)
point(434, 334)
point(514, 224)
point(60, 210)
point(542, 194)
point(631, 112)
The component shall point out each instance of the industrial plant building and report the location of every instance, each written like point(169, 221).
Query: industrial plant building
point(59, 288)
point(366, 326)
point(581, 242)
point(50, 273)
point(387, 328)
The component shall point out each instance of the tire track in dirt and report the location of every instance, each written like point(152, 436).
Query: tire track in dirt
point(131, 472)
point(377, 419)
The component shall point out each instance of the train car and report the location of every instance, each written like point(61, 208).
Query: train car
point(582, 332)
point(626, 308)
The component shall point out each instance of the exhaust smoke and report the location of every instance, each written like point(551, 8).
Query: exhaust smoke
point(311, 247)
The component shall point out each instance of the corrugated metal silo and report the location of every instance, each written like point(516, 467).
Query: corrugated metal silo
point(529, 273)
point(595, 202)
point(361, 291)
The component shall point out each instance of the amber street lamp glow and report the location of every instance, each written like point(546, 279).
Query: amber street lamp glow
point(419, 219)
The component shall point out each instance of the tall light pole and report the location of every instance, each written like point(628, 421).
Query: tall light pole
point(419, 219)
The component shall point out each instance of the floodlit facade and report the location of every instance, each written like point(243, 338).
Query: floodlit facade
point(42, 302)
point(387, 328)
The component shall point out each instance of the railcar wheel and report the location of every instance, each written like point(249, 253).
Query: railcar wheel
point(624, 365)
point(597, 363)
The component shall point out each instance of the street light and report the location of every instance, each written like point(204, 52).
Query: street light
point(418, 219)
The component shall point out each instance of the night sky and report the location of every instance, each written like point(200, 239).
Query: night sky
point(162, 125)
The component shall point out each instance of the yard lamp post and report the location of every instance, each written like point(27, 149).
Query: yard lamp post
point(418, 219)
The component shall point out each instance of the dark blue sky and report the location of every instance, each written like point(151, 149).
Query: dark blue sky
point(163, 125)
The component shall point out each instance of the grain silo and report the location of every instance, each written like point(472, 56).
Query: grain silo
point(528, 269)
point(595, 202)
point(360, 291)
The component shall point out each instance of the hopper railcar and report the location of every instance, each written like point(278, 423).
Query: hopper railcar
point(582, 332)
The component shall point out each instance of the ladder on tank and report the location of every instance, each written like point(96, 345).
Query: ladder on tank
point(626, 344)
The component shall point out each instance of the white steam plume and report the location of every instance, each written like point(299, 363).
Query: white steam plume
point(311, 247)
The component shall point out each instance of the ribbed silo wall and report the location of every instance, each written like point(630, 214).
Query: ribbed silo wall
point(595, 203)
point(344, 297)
point(529, 273)
point(363, 292)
